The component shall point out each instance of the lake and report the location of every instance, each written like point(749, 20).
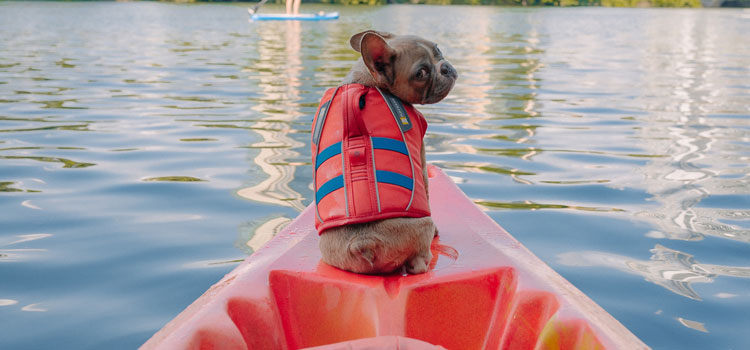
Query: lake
point(147, 148)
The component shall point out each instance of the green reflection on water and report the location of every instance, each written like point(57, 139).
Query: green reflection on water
point(575, 182)
point(525, 152)
point(41, 120)
point(198, 139)
point(175, 179)
point(33, 147)
point(57, 92)
point(63, 63)
point(67, 163)
point(537, 206)
point(510, 152)
point(6, 187)
point(192, 99)
point(491, 169)
point(635, 155)
point(135, 81)
point(79, 127)
point(504, 171)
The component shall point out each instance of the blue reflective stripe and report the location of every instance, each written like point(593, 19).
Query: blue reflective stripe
point(330, 151)
point(389, 144)
point(397, 179)
point(328, 187)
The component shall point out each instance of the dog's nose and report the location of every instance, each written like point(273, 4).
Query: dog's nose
point(448, 70)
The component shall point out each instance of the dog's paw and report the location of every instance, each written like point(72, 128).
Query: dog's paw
point(419, 263)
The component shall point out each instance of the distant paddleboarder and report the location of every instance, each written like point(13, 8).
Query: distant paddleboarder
point(292, 7)
point(292, 13)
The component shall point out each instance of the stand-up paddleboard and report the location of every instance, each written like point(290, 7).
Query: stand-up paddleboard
point(320, 16)
point(484, 290)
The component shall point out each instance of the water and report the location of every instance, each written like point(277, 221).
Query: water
point(146, 148)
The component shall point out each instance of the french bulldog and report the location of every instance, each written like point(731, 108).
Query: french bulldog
point(414, 70)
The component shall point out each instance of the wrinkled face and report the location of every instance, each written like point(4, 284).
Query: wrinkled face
point(407, 66)
point(423, 75)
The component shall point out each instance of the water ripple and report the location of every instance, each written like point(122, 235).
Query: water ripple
point(674, 270)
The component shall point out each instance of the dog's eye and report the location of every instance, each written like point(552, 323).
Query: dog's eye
point(422, 73)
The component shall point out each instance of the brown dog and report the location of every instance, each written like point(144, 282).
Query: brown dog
point(414, 70)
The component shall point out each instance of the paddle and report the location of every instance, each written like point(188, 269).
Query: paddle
point(255, 8)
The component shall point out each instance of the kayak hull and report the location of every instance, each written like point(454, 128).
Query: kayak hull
point(484, 290)
point(326, 16)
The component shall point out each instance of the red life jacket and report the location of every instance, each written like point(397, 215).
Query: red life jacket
point(367, 166)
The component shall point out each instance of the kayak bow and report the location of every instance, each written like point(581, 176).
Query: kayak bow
point(484, 290)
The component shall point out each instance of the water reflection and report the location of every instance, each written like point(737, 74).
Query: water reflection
point(263, 231)
point(698, 326)
point(671, 269)
point(28, 308)
point(279, 53)
point(8, 302)
point(690, 96)
point(491, 112)
point(282, 50)
point(33, 308)
point(18, 254)
point(27, 203)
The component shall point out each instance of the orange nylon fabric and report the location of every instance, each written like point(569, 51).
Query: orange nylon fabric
point(367, 158)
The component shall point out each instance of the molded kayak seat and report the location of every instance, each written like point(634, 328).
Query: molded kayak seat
point(384, 342)
point(484, 290)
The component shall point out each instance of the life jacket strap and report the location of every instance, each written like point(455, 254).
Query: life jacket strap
point(398, 110)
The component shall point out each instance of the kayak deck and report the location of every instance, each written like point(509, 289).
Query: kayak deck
point(484, 290)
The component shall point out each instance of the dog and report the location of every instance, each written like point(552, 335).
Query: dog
point(397, 71)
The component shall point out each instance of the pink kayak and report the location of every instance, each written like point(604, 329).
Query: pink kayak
point(484, 290)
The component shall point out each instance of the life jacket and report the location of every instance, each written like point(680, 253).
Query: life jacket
point(366, 150)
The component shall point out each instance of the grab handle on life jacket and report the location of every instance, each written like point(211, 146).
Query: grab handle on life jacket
point(357, 133)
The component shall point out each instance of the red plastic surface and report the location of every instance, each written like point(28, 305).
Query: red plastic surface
point(484, 290)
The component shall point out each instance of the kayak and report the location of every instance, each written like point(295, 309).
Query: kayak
point(484, 290)
point(321, 16)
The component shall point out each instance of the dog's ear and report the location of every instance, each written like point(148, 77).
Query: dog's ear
point(379, 58)
point(356, 40)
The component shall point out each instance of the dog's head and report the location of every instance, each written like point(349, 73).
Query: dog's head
point(407, 66)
